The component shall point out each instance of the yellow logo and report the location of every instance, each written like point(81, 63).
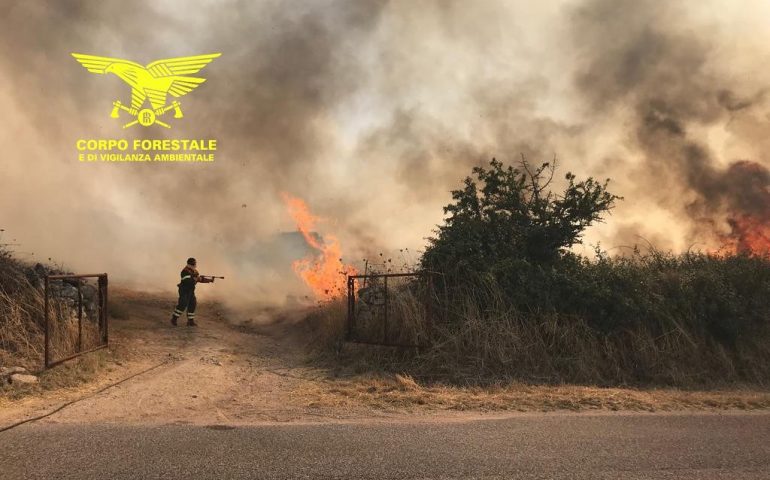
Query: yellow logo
point(153, 83)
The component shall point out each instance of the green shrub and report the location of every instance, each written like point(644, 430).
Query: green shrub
point(507, 215)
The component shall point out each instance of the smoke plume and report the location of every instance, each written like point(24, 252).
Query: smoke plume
point(679, 91)
point(371, 111)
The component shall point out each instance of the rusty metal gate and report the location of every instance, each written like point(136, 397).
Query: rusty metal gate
point(76, 320)
point(387, 309)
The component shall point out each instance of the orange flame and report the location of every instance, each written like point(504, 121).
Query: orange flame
point(744, 192)
point(325, 272)
point(749, 235)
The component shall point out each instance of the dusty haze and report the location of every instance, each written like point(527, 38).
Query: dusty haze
point(372, 111)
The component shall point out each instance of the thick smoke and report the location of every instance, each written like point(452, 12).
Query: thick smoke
point(372, 111)
point(679, 93)
point(269, 101)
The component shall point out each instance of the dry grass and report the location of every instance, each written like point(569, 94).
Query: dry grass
point(403, 393)
point(326, 325)
point(475, 345)
point(21, 332)
point(495, 360)
point(22, 320)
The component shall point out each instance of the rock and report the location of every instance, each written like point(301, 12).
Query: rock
point(69, 292)
point(8, 371)
point(22, 379)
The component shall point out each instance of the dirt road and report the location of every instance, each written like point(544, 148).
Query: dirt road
point(232, 368)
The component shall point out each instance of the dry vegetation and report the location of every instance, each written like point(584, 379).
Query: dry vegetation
point(399, 393)
point(502, 300)
point(486, 340)
point(22, 332)
point(21, 323)
point(22, 320)
point(506, 362)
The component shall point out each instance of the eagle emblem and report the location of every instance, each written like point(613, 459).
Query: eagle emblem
point(152, 83)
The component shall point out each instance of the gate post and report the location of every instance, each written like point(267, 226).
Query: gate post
point(47, 355)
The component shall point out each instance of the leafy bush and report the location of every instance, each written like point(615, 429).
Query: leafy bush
point(508, 215)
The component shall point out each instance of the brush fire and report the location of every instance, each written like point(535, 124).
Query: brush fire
point(744, 189)
point(324, 272)
point(426, 212)
point(749, 235)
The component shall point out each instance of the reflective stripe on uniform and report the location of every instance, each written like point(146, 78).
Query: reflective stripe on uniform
point(185, 277)
point(177, 311)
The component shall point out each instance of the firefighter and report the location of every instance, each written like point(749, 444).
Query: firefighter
point(187, 301)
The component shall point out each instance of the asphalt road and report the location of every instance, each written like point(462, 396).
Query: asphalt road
point(671, 446)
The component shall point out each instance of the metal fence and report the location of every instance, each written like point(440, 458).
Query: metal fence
point(76, 320)
point(387, 309)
